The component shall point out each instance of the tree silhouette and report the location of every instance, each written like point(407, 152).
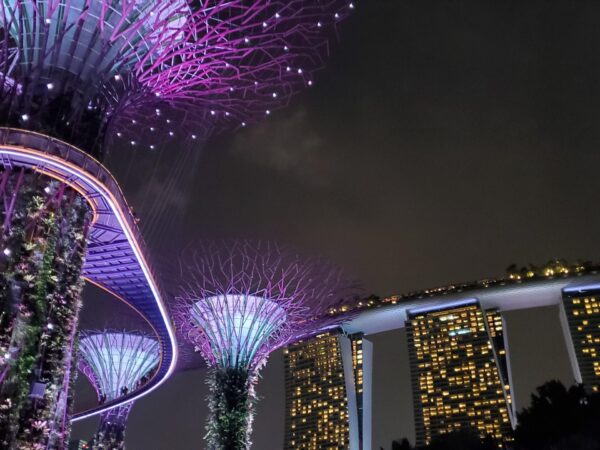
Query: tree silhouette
point(464, 439)
point(559, 419)
point(401, 445)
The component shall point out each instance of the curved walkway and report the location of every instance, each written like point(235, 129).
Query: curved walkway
point(115, 258)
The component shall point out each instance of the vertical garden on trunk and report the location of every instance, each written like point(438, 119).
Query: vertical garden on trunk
point(44, 230)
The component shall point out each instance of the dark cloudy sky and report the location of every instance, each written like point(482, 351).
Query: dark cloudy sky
point(444, 141)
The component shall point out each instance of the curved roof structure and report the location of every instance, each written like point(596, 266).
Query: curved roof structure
point(115, 259)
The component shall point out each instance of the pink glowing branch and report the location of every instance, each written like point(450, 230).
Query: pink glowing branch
point(238, 58)
point(242, 300)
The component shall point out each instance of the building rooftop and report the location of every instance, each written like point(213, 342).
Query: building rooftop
point(520, 288)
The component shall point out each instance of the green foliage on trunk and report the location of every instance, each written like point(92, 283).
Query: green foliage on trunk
point(40, 288)
point(231, 402)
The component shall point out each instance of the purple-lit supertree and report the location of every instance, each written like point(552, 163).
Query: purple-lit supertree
point(242, 301)
point(101, 73)
point(116, 363)
point(78, 69)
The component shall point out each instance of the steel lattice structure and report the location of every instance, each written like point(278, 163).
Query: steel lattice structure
point(77, 75)
point(116, 360)
point(243, 300)
point(116, 363)
point(72, 68)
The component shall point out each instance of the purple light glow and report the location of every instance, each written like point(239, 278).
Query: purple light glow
point(118, 58)
point(114, 361)
point(107, 199)
point(244, 300)
point(238, 325)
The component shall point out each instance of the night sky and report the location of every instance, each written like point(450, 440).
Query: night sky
point(444, 141)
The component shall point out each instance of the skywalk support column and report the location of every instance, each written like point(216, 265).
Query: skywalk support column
point(357, 359)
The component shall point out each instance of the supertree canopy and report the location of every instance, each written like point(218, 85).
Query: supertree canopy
point(78, 77)
point(242, 301)
point(116, 363)
point(74, 69)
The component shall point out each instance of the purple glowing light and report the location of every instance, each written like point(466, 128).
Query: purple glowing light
point(115, 362)
point(244, 300)
point(238, 325)
point(106, 198)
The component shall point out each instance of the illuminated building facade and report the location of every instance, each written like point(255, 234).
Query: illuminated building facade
point(362, 364)
point(580, 318)
point(328, 393)
point(455, 374)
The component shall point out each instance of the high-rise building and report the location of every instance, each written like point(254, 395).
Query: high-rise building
point(496, 328)
point(455, 375)
point(328, 393)
point(580, 318)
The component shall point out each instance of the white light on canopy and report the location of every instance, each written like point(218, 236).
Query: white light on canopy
point(238, 327)
point(118, 360)
point(80, 21)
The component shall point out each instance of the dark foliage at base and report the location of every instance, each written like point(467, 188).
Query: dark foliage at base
point(110, 435)
point(231, 402)
point(459, 440)
point(557, 419)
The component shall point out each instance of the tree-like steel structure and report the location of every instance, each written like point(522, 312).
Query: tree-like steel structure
point(242, 301)
point(116, 363)
point(149, 73)
point(78, 69)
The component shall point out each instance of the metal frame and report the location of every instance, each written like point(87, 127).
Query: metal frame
point(113, 360)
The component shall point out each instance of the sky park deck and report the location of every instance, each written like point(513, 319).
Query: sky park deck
point(391, 313)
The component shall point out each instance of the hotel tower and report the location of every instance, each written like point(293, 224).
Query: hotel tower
point(328, 393)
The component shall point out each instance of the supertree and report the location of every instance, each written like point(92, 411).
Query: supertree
point(242, 301)
point(78, 77)
point(116, 362)
point(79, 69)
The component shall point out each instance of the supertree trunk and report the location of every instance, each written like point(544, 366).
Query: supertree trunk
point(111, 430)
point(43, 242)
point(231, 401)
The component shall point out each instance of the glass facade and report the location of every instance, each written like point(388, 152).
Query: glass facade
point(318, 411)
point(582, 311)
point(455, 375)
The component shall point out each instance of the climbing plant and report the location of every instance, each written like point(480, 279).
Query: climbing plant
point(44, 229)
